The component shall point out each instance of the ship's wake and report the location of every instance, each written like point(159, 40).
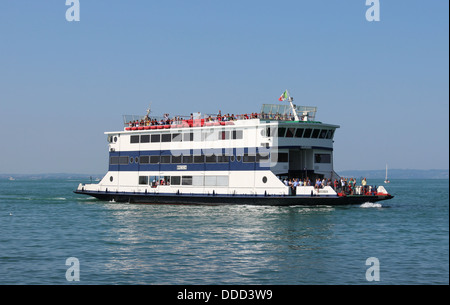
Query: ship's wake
point(371, 205)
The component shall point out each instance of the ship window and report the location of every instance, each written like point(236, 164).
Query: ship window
point(175, 180)
point(143, 180)
point(154, 181)
point(197, 180)
point(187, 159)
point(145, 138)
point(224, 159)
point(211, 159)
point(209, 135)
point(154, 159)
point(281, 132)
point(249, 158)
point(134, 139)
point(330, 134)
point(166, 137)
point(176, 159)
point(199, 159)
point(114, 160)
point(322, 158)
point(144, 159)
point(323, 133)
point(176, 137)
point(224, 135)
point(186, 180)
point(280, 157)
point(271, 131)
point(155, 138)
point(299, 133)
point(123, 160)
point(188, 136)
point(262, 157)
point(237, 134)
point(264, 179)
point(283, 157)
point(216, 180)
point(307, 133)
point(290, 132)
point(210, 180)
point(165, 159)
point(222, 180)
point(166, 180)
point(315, 133)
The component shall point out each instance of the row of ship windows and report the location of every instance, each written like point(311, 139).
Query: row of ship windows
point(215, 135)
point(292, 132)
point(186, 137)
point(188, 159)
point(154, 181)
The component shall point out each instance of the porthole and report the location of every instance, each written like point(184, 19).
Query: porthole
point(264, 179)
point(232, 158)
point(238, 158)
point(111, 178)
point(115, 139)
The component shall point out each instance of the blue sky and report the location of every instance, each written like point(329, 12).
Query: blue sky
point(63, 84)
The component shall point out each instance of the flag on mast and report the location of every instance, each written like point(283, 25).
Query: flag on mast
point(284, 96)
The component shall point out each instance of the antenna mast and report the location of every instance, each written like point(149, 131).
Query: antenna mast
point(292, 106)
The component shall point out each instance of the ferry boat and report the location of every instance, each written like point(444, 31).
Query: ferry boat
point(280, 155)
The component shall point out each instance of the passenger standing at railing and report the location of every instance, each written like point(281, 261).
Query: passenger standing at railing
point(364, 184)
point(342, 184)
point(294, 186)
point(350, 186)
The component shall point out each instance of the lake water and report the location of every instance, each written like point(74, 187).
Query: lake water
point(43, 223)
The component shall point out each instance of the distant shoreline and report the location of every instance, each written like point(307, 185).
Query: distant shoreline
point(51, 176)
point(370, 174)
point(398, 174)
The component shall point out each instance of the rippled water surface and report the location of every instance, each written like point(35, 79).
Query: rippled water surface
point(42, 223)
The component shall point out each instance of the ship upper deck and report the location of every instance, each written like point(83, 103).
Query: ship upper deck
point(268, 113)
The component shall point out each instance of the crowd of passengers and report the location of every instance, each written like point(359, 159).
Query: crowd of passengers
point(343, 185)
point(147, 121)
point(166, 120)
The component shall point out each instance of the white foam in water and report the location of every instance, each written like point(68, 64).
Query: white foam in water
point(371, 205)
